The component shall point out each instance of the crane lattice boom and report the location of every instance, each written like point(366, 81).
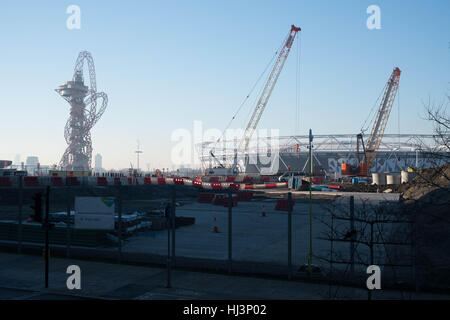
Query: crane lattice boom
point(373, 143)
point(268, 88)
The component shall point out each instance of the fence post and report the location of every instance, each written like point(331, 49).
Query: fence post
point(331, 257)
point(230, 229)
point(119, 222)
point(173, 221)
point(168, 226)
point(352, 234)
point(289, 235)
point(68, 219)
point(414, 242)
point(369, 297)
point(19, 218)
point(47, 227)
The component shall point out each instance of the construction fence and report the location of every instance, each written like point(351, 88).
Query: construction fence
point(179, 226)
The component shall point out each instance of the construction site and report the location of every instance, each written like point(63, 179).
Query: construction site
point(309, 209)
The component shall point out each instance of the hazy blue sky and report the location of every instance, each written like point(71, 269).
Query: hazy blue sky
point(165, 64)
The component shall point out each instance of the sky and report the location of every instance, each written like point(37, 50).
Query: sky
point(166, 64)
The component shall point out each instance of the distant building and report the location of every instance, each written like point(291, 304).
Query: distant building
point(98, 167)
point(32, 164)
point(17, 160)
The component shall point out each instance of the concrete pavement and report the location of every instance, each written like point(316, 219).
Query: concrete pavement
point(21, 277)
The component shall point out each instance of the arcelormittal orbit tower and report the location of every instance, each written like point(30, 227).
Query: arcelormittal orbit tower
point(83, 115)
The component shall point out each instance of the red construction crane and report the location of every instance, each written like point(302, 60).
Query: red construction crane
point(376, 135)
point(265, 95)
point(261, 105)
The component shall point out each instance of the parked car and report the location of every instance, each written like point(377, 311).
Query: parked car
point(285, 176)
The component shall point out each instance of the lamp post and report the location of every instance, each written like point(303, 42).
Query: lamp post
point(310, 197)
point(138, 152)
point(309, 267)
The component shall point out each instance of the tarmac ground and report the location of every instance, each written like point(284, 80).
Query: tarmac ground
point(22, 278)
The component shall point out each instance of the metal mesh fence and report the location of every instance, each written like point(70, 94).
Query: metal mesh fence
point(222, 230)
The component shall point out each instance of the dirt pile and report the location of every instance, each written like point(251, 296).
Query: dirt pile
point(424, 185)
point(427, 200)
point(360, 187)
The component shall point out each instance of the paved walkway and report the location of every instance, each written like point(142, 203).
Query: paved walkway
point(21, 277)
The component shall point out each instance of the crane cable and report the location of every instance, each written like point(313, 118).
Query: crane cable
point(261, 89)
point(364, 128)
point(398, 105)
point(297, 84)
point(249, 94)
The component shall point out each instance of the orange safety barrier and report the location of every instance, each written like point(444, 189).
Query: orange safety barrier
point(205, 197)
point(178, 181)
point(72, 181)
point(216, 186)
point(244, 196)
point(234, 186)
point(234, 201)
point(230, 179)
point(5, 182)
point(57, 181)
point(283, 205)
point(219, 199)
point(101, 181)
point(31, 181)
point(197, 183)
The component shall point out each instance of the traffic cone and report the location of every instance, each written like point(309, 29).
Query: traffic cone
point(215, 228)
point(263, 213)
